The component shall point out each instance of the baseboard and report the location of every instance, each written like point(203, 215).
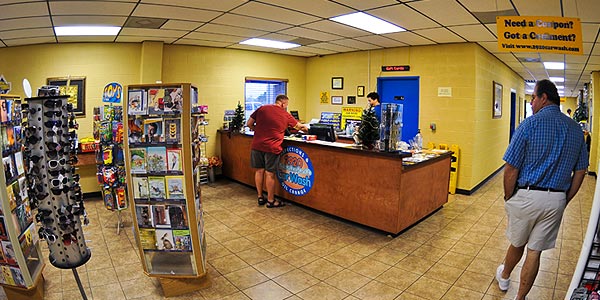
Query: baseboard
point(473, 190)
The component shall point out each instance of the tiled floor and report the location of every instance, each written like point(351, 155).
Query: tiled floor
point(296, 253)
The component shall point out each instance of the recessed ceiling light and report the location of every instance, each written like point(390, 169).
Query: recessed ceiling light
point(560, 87)
point(557, 79)
point(86, 30)
point(269, 43)
point(554, 65)
point(368, 23)
point(530, 83)
point(529, 91)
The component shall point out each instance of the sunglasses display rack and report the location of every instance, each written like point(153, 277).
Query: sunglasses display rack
point(20, 252)
point(51, 150)
point(163, 190)
point(108, 133)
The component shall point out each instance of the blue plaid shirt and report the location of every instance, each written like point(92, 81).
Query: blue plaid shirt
point(546, 148)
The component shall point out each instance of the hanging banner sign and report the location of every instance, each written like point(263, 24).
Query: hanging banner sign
point(113, 93)
point(295, 171)
point(539, 34)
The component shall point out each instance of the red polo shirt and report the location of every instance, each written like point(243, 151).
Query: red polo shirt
point(271, 123)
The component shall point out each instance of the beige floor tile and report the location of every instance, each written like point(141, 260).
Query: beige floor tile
point(456, 259)
point(466, 248)
point(128, 272)
point(404, 245)
point(388, 255)
point(428, 288)
point(492, 254)
point(344, 257)
point(101, 277)
point(415, 264)
point(545, 279)
point(219, 288)
point(296, 281)
point(409, 296)
point(377, 291)
point(141, 287)
point(369, 267)
point(398, 278)
point(441, 242)
point(298, 257)
point(274, 267)
point(482, 266)
point(246, 277)
point(268, 290)
point(429, 252)
point(444, 273)
point(237, 296)
point(76, 294)
point(321, 268)
point(279, 247)
point(111, 291)
point(238, 245)
point(475, 281)
point(348, 281)
point(322, 291)
point(228, 264)
point(463, 294)
point(255, 255)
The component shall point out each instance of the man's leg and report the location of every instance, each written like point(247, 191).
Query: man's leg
point(270, 181)
point(513, 256)
point(529, 272)
point(259, 174)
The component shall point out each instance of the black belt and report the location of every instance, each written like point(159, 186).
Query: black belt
point(537, 188)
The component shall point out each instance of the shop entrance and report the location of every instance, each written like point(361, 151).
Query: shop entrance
point(402, 90)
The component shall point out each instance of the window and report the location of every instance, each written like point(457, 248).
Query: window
point(262, 91)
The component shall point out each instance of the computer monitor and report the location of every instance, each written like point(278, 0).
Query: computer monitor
point(324, 132)
point(295, 114)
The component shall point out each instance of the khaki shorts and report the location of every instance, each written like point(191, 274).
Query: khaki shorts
point(534, 218)
point(264, 160)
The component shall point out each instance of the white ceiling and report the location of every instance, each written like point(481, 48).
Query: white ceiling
point(225, 23)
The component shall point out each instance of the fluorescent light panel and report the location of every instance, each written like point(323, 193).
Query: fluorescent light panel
point(557, 79)
point(269, 43)
point(368, 23)
point(554, 65)
point(86, 30)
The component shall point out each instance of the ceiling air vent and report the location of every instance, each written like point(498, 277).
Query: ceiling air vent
point(149, 23)
point(489, 17)
point(304, 41)
point(529, 59)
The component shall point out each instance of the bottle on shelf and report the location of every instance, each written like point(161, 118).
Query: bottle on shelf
point(419, 139)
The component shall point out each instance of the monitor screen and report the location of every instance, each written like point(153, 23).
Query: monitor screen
point(295, 114)
point(324, 132)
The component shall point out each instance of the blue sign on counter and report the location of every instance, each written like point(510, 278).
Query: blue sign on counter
point(295, 171)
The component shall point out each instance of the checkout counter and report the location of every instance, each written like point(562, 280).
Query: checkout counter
point(386, 191)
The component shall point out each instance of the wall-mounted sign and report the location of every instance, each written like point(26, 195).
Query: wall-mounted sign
point(539, 34)
point(331, 118)
point(5, 86)
point(113, 93)
point(395, 68)
point(295, 171)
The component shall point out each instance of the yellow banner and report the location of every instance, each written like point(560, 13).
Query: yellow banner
point(539, 34)
point(350, 113)
point(324, 96)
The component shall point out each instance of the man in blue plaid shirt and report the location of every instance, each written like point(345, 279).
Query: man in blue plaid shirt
point(546, 162)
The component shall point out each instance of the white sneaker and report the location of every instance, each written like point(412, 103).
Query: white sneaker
point(503, 284)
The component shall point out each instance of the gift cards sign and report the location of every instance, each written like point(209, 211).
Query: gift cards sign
point(295, 171)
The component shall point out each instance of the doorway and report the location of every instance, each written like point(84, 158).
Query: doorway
point(513, 113)
point(405, 91)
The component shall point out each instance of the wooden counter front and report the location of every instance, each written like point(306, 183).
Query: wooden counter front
point(369, 188)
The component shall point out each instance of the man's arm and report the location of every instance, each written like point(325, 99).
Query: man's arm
point(576, 181)
point(250, 123)
point(300, 126)
point(511, 174)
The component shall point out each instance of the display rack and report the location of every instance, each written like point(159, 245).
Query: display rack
point(164, 185)
point(20, 253)
point(108, 134)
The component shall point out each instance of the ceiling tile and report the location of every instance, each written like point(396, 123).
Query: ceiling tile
point(201, 43)
point(173, 12)
point(214, 37)
point(20, 10)
point(269, 12)
point(26, 33)
point(314, 50)
point(440, 35)
point(231, 30)
point(90, 8)
point(445, 12)
point(586, 10)
point(381, 41)
point(491, 47)
point(89, 20)
point(533, 8)
point(153, 32)
point(33, 22)
point(365, 5)
point(311, 34)
point(486, 5)
point(248, 22)
point(589, 31)
point(358, 45)
point(336, 28)
point(295, 52)
point(474, 33)
point(252, 48)
point(404, 17)
point(333, 47)
point(181, 25)
point(322, 8)
point(409, 38)
point(221, 5)
point(30, 41)
point(139, 39)
point(594, 59)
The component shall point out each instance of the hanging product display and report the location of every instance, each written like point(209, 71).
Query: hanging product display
point(51, 150)
point(20, 254)
point(199, 141)
point(108, 132)
point(164, 185)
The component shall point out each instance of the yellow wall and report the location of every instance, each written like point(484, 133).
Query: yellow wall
point(595, 89)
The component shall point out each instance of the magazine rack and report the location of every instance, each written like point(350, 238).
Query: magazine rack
point(20, 253)
point(164, 185)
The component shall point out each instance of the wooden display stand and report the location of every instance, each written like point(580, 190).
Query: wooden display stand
point(165, 199)
point(36, 292)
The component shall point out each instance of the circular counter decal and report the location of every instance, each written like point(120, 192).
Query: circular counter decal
point(295, 171)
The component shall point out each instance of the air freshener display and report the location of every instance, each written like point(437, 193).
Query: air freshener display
point(108, 131)
point(51, 151)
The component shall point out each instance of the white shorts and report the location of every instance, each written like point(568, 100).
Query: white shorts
point(534, 218)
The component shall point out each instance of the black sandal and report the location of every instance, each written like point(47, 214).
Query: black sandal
point(273, 205)
point(262, 200)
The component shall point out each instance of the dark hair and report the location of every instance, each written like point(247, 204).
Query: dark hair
point(281, 97)
point(569, 110)
point(546, 86)
point(373, 95)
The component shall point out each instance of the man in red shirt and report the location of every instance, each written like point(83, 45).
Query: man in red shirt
point(269, 123)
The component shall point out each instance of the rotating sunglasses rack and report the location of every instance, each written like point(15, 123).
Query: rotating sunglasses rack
point(51, 151)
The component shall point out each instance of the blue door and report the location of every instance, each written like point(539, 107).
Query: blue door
point(402, 90)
